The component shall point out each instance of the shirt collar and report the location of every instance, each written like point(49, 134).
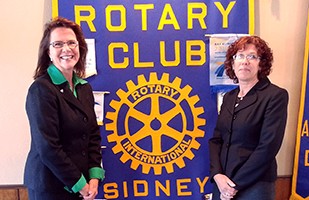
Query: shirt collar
point(58, 78)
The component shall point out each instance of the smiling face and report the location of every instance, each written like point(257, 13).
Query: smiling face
point(246, 67)
point(64, 58)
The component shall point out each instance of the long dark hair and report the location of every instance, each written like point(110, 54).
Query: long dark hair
point(43, 57)
point(263, 51)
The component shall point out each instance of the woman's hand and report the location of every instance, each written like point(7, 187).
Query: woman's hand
point(84, 192)
point(226, 186)
point(92, 189)
point(93, 186)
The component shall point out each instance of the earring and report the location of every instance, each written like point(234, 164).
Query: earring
point(51, 59)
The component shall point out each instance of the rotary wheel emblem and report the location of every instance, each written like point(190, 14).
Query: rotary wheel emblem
point(155, 123)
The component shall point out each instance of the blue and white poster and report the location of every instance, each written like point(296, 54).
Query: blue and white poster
point(218, 45)
point(300, 181)
point(153, 60)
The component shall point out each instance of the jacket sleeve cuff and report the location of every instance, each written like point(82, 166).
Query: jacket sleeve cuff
point(96, 172)
point(80, 184)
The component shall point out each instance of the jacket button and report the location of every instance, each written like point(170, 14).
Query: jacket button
point(85, 119)
point(84, 137)
point(227, 145)
point(83, 153)
point(234, 117)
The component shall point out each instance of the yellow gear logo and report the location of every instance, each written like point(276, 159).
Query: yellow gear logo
point(155, 123)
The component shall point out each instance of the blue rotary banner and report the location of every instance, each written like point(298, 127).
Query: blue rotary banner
point(152, 63)
point(300, 182)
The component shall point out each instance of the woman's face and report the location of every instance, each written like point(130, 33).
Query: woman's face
point(64, 50)
point(246, 64)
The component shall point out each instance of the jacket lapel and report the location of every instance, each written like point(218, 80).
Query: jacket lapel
point(231, 99)
point(249, 99)
point(68, 95)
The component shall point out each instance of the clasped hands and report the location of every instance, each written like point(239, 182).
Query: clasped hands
point(90, 190)
point(226, 187)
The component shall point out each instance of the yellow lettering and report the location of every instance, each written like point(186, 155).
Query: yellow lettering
point(161, 188)
point(125, 189)
point(306, 163)
point(166, 189)
point(138, 155)
point(143, 90)
point(168, 11)
point(144, 8)
point(225, 13)
point(137, 62)
point(202, 183)
point(88, 19)
point(173, 93)
point(144, 158)
point(158, 160)
point(111, 55)
point(158, 89)
point(196, 53)
point(151, 87)
point(181, 187)
point(138, 193)
point(163, 60)
point(166, 90)
point(110, 191)
point(183, 146)
point(199, 16)
point(305, 129)
point(135, 95)
point(108, 21)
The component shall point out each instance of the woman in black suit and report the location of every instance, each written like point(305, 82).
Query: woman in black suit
point(64, 161)
point(250, 126)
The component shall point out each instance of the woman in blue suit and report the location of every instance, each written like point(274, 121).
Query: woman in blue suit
point(250, 126)
point(64, 161)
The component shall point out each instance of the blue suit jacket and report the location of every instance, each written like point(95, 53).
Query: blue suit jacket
point(247, 138)
point(65, 137)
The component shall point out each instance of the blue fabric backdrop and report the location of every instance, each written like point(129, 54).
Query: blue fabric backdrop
point(153, 58)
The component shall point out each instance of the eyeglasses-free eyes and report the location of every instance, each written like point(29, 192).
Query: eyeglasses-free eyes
point(59, 44)
point(243, 56)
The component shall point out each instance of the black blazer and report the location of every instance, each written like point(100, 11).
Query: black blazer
point(247, 138)
point(65, 137)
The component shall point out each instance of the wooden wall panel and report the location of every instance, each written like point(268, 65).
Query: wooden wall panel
point(8, 194)
point(13, 192)
point(23, 194)
point(19, 192)
point(283, 188)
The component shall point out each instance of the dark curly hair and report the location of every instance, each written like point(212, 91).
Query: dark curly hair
point(43, 57)
point(263, 51)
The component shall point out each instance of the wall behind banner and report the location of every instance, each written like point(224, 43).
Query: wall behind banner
point(280, 23)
